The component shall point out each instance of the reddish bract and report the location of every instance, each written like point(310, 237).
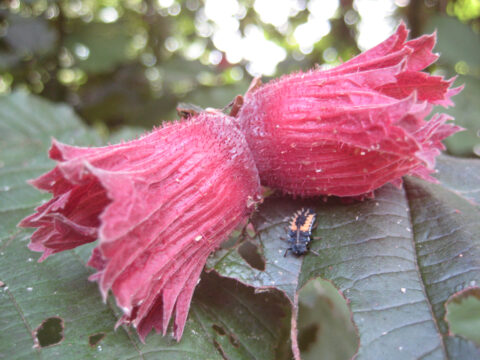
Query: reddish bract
point(351, 129)
point(159, 206)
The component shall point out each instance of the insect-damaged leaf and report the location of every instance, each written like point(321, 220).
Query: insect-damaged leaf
point(31, 293)
point(460, 308)
point(280, 272)
point(396, 258)
point(396, 280)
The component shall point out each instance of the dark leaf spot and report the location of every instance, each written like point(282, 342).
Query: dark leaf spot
point(50, 332)
point(93, 340)
point(220, 350)
point(307, 336)
point(218, 329)
point(233, 340)
point(249, 252)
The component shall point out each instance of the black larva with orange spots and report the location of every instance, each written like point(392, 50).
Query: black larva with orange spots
point(300, 231)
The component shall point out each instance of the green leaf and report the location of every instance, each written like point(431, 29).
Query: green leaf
point(460, 309)
point(396, 258)
point(241, 323)
point(325, 330)
point(226, 319)
point(460, 176)
point(26, 127)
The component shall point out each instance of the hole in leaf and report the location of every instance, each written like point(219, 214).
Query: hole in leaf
point(93, 340)
point(221, 331)
point(249, 252)
point(218, 329)
point(50, 332)
point(462, 314)
point(324, 323)
point(250, 229)
point(232, 239)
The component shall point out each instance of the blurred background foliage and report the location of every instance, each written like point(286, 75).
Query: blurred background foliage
point(130, 62)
